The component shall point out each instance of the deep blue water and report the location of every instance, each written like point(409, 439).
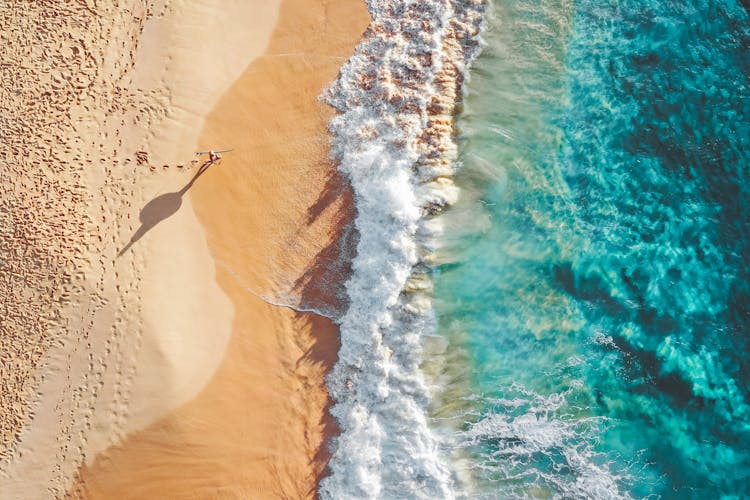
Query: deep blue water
point(601, 251)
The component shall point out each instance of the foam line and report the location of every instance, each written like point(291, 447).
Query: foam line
point(269, 301)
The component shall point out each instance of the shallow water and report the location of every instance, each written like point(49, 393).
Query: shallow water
point(598, 283)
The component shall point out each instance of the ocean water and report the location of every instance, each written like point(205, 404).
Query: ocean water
point(594, 301)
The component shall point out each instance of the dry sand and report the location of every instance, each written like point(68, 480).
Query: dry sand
point(125, 319)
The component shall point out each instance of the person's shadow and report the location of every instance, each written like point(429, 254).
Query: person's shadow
point(162, 207)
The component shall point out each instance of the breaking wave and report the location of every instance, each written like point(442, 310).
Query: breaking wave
point(392, 138)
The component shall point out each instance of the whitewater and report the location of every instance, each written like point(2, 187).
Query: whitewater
point(392, 139)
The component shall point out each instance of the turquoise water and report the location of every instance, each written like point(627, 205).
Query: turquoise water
point(601, 251)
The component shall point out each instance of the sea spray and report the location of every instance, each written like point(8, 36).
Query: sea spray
point(392, 139)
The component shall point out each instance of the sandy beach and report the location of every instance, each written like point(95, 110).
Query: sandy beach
point(273, 210)
point(174, 361)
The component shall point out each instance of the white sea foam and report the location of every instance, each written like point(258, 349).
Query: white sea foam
point(525, 428)
point(392, 138)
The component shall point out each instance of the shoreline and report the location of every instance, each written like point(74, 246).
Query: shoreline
point(260, 425)
point(396, 98)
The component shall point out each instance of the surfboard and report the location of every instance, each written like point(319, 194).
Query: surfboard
point(215, 151)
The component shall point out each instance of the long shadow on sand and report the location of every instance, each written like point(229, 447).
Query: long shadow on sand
point(321, 287)
point(162, 207)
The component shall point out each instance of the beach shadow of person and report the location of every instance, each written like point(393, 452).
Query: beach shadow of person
point(162, 207)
